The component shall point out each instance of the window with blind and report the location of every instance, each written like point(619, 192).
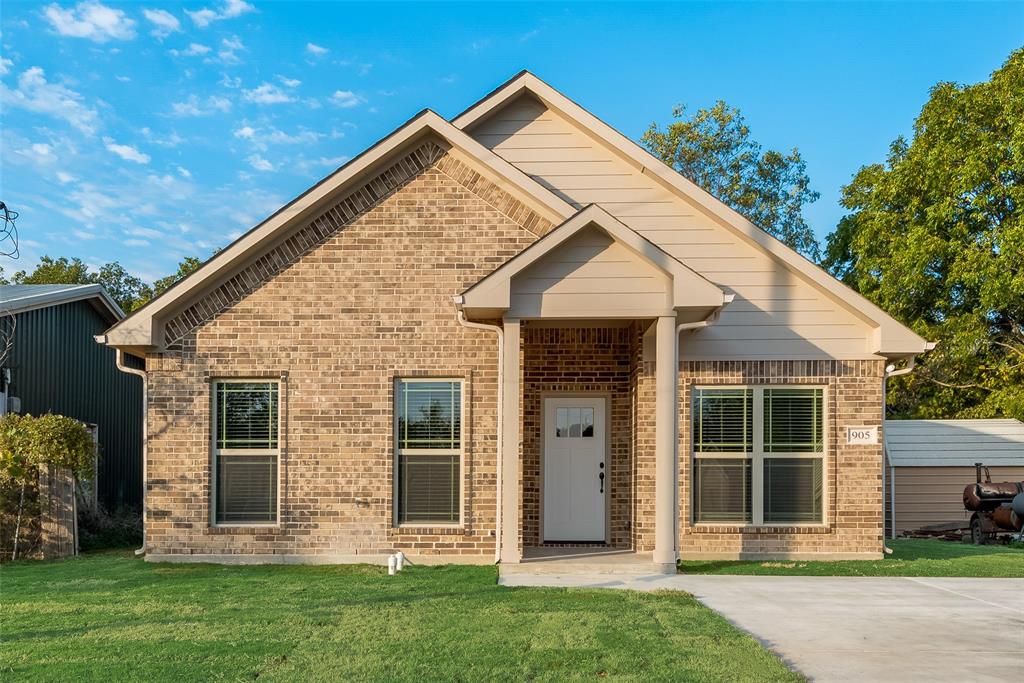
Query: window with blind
point(759, 455)
point(246, 453)
point(428, 426)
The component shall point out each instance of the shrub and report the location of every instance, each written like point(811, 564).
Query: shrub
point(28, 444)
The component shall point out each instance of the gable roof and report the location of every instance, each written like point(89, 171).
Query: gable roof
point(21, 298)
point(892, 338)
point(954, 443)
point(142, 329)
point(690, 289)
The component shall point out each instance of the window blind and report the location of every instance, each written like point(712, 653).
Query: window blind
point(792, 490)
point(429, 486)
point(723, 421)
point(722, 490)
point(246, 415)
point(429, 415)
point(793, 421)
point(246, 489)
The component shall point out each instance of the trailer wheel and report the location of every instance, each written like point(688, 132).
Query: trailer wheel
point(977, 534)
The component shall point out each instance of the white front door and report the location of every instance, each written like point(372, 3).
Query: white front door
point(576, 477)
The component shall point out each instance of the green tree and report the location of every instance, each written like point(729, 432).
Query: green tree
point(188, 266)
point(127, 290)
point(713, 148)
point(936, 237)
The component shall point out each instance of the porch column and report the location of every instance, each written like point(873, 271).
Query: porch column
point(666, 374)
point(510, 419)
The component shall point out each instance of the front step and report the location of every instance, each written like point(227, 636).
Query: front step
point(617, 564)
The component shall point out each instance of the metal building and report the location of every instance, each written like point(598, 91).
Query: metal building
point(55, 366)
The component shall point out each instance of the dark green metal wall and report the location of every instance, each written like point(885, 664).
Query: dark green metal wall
point(57, 367)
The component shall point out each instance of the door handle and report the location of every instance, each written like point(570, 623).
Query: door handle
point(601, 478)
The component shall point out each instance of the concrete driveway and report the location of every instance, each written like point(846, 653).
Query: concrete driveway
point(860, 629)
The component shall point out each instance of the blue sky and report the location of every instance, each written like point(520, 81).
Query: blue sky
point(145, 132)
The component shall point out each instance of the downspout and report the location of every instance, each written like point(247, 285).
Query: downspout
point(890, 371)
point(119, 362)
point(692, 327)
point(461, 317)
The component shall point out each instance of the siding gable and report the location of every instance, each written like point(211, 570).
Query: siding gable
point(776, 313)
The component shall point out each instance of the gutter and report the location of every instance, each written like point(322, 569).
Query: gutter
point(119, 362)
point(891, 371)
point(460, 315)
point(692, 327)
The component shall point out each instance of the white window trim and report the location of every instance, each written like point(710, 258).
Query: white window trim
point(398, 452)
point(757, 457)
point(214, 481)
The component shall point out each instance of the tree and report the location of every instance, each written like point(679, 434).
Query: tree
point(127, 290)
point(713, 148)
point(936, 237)
point(185, 268)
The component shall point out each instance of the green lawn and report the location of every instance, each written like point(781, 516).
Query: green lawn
point(911, 557)
point(111, 617)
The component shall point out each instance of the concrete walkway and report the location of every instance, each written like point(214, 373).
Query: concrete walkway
point(859, 629)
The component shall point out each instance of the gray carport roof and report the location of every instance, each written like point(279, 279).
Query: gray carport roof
point(955, 443)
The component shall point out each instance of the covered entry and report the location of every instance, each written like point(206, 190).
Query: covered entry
point(590, 315)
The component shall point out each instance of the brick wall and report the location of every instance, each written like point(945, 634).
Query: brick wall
point(340, 321)
point(853, 473)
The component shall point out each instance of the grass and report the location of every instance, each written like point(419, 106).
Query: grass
point(910, 557)
point(111, 617)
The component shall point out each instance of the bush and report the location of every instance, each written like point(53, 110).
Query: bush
point(28, 444)
point(100, 530)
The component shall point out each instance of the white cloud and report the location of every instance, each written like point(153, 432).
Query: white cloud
point(135, 242)
point(267, 93)
point(289, 82)
point(259, 163)
point(193, 50)
point(164, 23)
point(229, 10)
point(228, 48)
point(529, 35)
point(263, 137)
point(346, 99)
point(193, 106)
point(5, 66)
point(171, 140)
point(64, 178)
point(230, 81)
point(91, 20)
point(39, 154)
point(126, 152)
point(124, 79)
point(34, 93)
point(316, 50)
point(184, 172)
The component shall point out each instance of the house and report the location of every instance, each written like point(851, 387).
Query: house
point(54, 366)
point(931, 461)
point(506, 334)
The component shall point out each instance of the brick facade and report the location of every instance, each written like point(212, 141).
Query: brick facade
point(853, 474)
point(365, 298)
point(340, 322)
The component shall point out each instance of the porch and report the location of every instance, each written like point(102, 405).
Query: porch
point(590, 319)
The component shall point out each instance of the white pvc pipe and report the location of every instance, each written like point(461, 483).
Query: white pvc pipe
point(399, 560)
point(392, 564)
point(461, 317)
